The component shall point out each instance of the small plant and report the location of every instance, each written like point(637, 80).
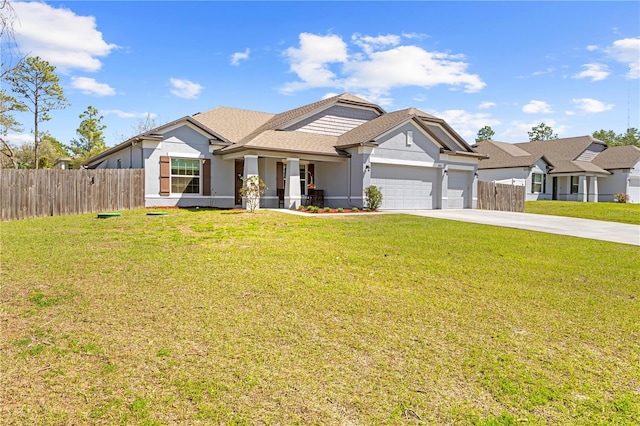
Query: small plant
point(301, 207)
point(355, 209)
point(621, 197)
point(252, 189)
point(340, 210)
point(327, 209)
point(373, 197)
point(315, 209)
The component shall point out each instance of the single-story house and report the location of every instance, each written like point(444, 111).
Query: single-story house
point(574, 169)
point(333, 149)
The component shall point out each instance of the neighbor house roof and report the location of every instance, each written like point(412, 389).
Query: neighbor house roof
point(618, 157)
point(504, 155)
point(560, 154)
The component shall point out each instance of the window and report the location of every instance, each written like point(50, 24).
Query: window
point(575, 184)
point(185, 176)
point(536, 182)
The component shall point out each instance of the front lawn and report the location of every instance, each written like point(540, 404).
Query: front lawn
point(223, 317)
point(610, 212)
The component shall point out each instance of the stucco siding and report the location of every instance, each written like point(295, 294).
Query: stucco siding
point(334, 121)
point(394, 146)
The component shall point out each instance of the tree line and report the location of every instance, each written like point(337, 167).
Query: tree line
point(543, 132)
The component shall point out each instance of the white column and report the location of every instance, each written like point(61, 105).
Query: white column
point(582, 191)
point(593, 189)
point(292, 196)
point(250, 169)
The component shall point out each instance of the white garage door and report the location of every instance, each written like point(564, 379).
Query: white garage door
point(634, 190)
point(405, 187)
point(459, 192)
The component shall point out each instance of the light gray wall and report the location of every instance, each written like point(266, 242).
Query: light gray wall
point(622, 180)
point(394, 146)
point(333, 179)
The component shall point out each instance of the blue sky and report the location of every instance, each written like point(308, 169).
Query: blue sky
point(509, 65)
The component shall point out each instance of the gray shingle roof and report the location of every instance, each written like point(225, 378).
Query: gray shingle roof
point(618, 157)
point(560, 154)
point(233, 123)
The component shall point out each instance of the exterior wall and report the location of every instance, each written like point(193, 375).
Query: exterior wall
point(334, 180)
point(521, 176)
point(335, 120)
point(182, 142)
point(131, 157)
point(622, 180)
point(394, 146)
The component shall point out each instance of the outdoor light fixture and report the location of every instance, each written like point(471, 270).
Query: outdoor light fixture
point(367, 168)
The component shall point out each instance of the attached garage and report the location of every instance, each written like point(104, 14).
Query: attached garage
point(459, 189)
point(406, 187)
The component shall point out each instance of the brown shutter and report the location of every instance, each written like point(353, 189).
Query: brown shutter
point(206, 176)
point(279, 175)
point(165, 170)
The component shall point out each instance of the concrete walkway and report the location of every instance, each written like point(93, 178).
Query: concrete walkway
point(583, 228)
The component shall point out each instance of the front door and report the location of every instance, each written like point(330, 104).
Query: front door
point(239, 173)
point(554, 188)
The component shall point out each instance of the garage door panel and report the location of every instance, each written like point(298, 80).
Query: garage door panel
point(458, 190)
point(405, 187)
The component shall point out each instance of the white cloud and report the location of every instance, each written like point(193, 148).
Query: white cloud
point(592, 105)
point(595, 72)
point(184, 88)
point(125, 114)
point(89, 86)
point(19, 139)
point(240, 56)
point(627, 51)
point(380, 65)
point(570, 112)
point(536, 107)
point(486, 105)
point(59, 36)
point(519, 130)
point(312, 59)
point(592, 48)
point(466, 124)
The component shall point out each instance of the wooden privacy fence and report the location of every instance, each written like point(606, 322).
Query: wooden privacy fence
point(36, 193)
point(499, 196)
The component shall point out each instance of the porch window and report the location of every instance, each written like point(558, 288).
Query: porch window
point(575, 184)
point(536, 182)
point(185, 176)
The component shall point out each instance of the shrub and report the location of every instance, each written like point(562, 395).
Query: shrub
point(340, 210)
point(621, 197)
point(252, 189)
point(373, 197)
point(327, 209)
point(355, 209)
point(314, 209)
point(301, 207)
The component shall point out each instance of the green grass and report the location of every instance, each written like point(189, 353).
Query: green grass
point(223, 317)
point(610, 212)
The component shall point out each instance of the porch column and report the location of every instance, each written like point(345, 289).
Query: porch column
point(593, 189)
point(444, 189)
point(292, 196)
point(582, 192)
point(250, 169)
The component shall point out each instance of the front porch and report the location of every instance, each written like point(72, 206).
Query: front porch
point(572, 187)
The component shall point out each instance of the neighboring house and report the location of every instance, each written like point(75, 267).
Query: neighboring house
point(575, 169)
point(63, 164)
point(337, 146)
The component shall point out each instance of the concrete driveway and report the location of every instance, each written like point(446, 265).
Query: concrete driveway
point(583, 228)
